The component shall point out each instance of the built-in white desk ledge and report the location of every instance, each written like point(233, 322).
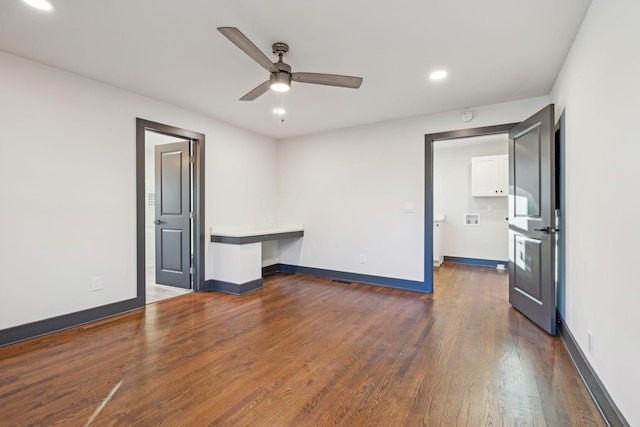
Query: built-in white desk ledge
point(237, 256)
point(241, 237)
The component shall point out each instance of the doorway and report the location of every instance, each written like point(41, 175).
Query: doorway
point(429, 176)
point(170, 242)
point(470, 183)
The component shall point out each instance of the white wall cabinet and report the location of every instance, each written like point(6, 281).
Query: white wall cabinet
point(490, 176)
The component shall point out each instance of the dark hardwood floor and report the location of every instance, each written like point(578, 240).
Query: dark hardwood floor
point(304, 351)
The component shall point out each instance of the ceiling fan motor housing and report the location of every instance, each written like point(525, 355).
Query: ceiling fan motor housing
point(283, 67)
point(284, 75)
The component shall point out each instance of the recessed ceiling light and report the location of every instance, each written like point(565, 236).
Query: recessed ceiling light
point(438, 75)
point(39, 4)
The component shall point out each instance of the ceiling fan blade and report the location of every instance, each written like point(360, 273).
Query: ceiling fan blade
point(328, 79)
point(248, 47)
point(260, 90)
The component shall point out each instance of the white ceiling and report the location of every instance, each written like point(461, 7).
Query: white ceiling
point(494, 50)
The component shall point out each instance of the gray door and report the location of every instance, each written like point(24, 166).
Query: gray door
point(531, 219)
point(173, 222)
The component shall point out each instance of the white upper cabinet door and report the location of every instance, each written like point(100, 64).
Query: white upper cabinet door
point(490, 176)
point(504, 175)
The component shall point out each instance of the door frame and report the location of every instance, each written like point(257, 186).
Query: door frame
point(561, 205)
point(428, 186)
point(142, 126)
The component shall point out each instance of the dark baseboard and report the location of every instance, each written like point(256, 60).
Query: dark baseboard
point(270, 269)
point(607, 407)
point(389, 282)
point(234, 288)
point(475, 261)
point(66, 321)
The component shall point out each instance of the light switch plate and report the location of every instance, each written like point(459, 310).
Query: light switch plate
point(408, 207)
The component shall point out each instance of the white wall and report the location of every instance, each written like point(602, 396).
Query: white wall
point(349, 187)
point(599, 87)
point(452, 197)
point(67, 181)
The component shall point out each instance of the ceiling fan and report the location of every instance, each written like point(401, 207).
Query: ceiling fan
point(281, 75)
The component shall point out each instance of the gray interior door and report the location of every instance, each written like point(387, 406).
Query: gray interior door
point(531, 219)
point(173, 222)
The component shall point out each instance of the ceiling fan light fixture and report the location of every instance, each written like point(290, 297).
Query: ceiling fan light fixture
point(280, 87)
point(281, 82)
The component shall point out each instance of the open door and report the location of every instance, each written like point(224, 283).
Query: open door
point(173, 221)
point(531, 219)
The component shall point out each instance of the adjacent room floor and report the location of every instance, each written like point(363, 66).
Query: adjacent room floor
point(156, 292)
point(304, 351)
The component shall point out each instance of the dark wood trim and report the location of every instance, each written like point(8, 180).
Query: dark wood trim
point(428, 186)
point(475, 261)
point(603, 400)
point(389, 282)
point(270, 269)
point(561, 205)
point(198, 207)
point(342, 276)
point(428, 211)
point(199, 198)
point(241, 240)
point(140, 212)
point(234, 288)
point(66, 321)
point(466, 133)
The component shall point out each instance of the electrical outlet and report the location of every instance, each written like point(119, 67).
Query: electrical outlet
point(590, 342)
point(96, 284)
point(363, 258)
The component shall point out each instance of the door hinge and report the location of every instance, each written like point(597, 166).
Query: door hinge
point(192, 159)
point(191, 215)
point(190, 270)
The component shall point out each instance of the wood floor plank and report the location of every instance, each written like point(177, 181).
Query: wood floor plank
point(304, 351)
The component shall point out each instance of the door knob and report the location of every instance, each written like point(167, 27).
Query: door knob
point(157, 221)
